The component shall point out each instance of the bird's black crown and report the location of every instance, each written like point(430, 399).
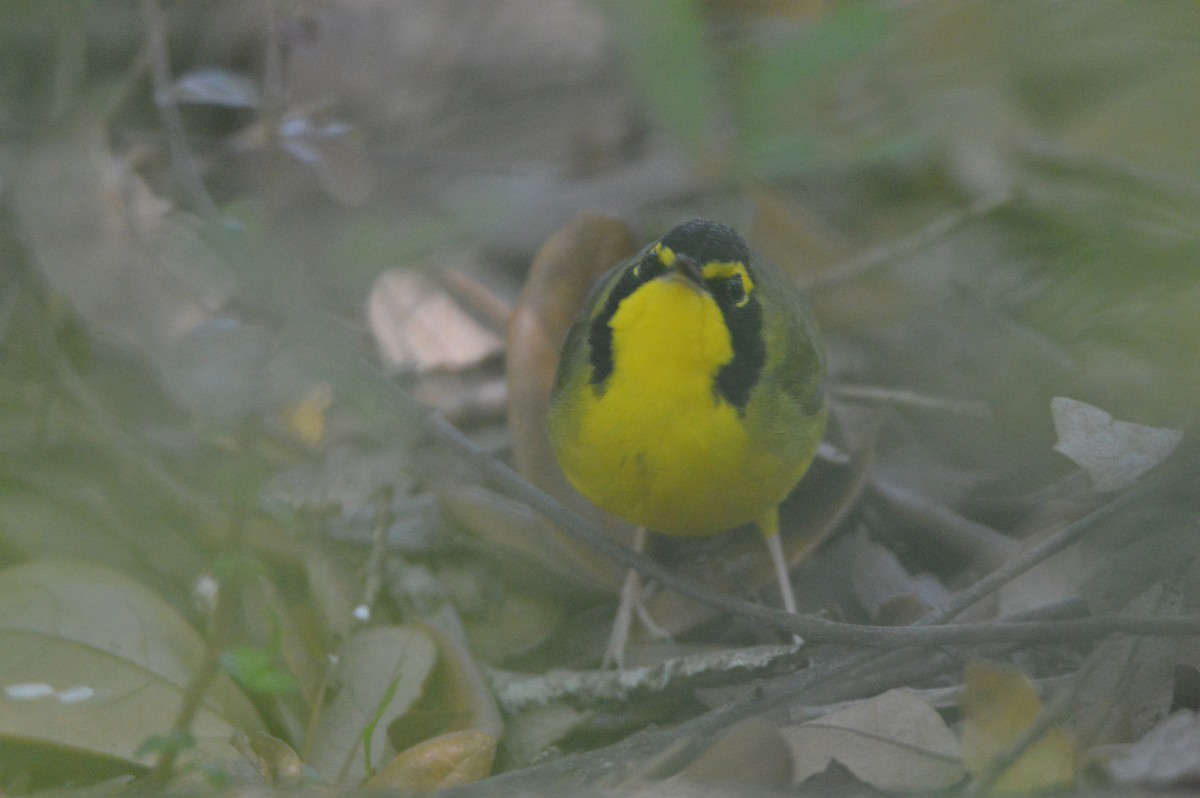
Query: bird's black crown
point(706, 241)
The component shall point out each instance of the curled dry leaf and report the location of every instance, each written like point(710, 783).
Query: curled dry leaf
point(1000, 703)
point(417, 326)
point(895, 742)
point(565, 268)
point(885, 588)
point(275, 761)
point(456, 699)
point(455, 758)
point(1114, 453)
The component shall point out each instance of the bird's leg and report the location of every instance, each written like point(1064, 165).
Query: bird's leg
point(769, 526)
point(631, 603)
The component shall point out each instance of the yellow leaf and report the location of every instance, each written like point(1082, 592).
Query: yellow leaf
point(1000, 703)
point(445, 761)
point(306, 418)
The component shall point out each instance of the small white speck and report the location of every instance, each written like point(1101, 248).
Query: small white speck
point(74, 695)
point(204, 593)
point(29, 691)
point(362, 613)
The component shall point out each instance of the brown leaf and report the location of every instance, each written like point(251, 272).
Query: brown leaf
point(455, 758)
point(895, 741)
point(1126, 684)
point(565, 268)
point(752, 752)
point(418, 326)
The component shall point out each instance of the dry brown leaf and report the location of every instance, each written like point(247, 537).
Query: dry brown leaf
point(1126, 684)
point(563, 271)
point(456, 758)
point(417, 326)
point(456, 698)
point(895, 742)
point(1000, 703)
point(751, 753)
point(565, 268)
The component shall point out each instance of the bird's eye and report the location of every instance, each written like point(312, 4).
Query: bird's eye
point(734, 290)
point(648, 268)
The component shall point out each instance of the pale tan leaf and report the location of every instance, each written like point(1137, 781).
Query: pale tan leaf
point(1168, 755)
point(895, 742)
point(752, 752)
point(1114, 453)
point(417, 326)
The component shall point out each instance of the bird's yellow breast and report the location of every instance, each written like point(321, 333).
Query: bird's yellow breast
point(656, 444)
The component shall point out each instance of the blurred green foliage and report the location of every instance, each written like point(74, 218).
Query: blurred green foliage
point(142, 434)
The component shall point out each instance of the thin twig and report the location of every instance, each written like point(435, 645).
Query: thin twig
point(1166, 477)
point(820, 630)
point(374, 567)
point(892, 251)
point(813, 685)
point(182, 161)
point(219, 630)
point(982, 544)
point(118, 438)
point(997, 766)
point(894, 396)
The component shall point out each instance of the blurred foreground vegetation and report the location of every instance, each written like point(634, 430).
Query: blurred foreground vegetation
point(229, 550)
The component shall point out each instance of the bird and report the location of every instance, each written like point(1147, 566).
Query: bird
point(689, 397)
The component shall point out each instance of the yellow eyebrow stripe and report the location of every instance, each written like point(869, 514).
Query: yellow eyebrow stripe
point(666, 255)
point(720, 269)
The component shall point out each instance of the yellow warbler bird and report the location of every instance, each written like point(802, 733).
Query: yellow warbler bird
point(689, 397)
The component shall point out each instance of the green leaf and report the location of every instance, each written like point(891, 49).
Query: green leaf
point(94, 662)
point(786, 83)
point(671, 63)
point(257, 670)
point(381, 674)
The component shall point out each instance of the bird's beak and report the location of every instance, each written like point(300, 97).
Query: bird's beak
point(689, 270)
